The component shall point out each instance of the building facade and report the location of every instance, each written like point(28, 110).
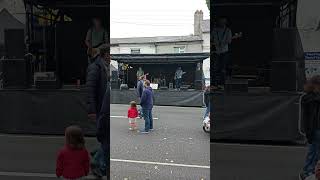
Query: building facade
point(196, 43)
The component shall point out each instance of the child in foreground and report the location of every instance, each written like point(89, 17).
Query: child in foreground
point(73, 159)
point(132, 115)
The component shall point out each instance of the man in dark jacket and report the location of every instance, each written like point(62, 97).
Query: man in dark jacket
point(146, 102)
point(310, 104)
point(99, 109)
point(140, 86)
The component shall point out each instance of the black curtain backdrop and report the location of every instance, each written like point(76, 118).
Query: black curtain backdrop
point(255, 117)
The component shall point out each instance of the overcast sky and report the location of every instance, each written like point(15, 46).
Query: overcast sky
point(145, 18)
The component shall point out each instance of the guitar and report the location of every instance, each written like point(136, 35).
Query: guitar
point(94, 51)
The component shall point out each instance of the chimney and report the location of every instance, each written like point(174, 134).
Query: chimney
point(198, 18)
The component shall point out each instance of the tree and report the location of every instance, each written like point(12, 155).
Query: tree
point(208, 4)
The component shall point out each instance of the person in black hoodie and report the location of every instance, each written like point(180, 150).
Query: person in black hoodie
point(310, 106)
point(98, 87)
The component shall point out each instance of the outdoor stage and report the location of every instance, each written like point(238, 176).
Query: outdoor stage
point(237, 116)
point(190, 98)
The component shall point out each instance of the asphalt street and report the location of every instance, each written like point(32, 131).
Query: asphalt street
point(178, 148)
point(256, 162)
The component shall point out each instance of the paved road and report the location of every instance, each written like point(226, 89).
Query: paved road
point(177, 149)
point(256, 162)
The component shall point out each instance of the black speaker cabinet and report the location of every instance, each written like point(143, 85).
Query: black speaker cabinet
point(114, 75)
point(236, 85)
point(15, 73)
point(47, 84)
point(284, 76)
point(14, 43)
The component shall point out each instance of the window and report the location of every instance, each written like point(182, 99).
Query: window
point(135, 51)
point(179, 49)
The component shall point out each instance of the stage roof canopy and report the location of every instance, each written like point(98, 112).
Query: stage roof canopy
point(68, 3)
point(248, 2)
point(160, 58)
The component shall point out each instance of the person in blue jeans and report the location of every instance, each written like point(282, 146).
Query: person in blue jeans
point(310, 104)
point(146, 102)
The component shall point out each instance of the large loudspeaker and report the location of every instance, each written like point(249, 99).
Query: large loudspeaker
point(288, 69)
point(114, 75)
point(284, 76)
point(15, 73)
point(14, 43)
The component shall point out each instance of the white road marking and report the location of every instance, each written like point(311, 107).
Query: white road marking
point(40, 175)
point(125, 117)
point(258, 145)
point(160, 163)
point(51, 175)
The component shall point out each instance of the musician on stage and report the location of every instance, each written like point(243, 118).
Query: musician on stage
point(222, 39)
point(178, 77)
point(140, 73)
point(96, 36)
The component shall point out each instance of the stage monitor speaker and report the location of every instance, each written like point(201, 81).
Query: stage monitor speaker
point(236, 85)
point(284, 76)
point(124, 87)
point(14, 43)
point(16, 73)
point(114, 75)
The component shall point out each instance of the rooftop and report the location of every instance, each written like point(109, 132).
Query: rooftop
point(157, 39)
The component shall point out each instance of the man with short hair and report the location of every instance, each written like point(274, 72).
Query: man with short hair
point(140, 86)
point(147, 100)
point(99, 109)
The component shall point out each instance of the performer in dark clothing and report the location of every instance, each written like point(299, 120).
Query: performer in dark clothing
point(98, 86)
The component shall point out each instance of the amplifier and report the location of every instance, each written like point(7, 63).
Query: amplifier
point(47, 84)
point(124, 87)
point(16, 73)
point(236, 85)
